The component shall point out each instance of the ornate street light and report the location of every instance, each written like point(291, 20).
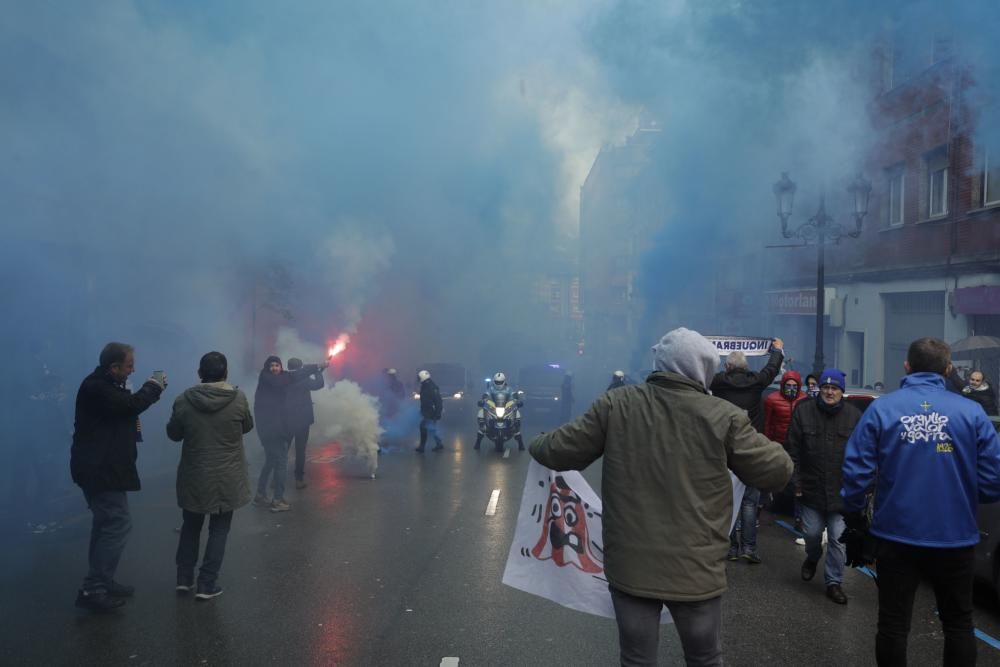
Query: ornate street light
point(817, 230)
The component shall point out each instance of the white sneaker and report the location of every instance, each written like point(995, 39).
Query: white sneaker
point(801, 541)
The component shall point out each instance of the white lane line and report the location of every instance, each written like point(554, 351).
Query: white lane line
point(491, 507)
point(506, 453)
point(449, 662)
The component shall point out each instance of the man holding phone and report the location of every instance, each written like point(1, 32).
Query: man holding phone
point(102, 462)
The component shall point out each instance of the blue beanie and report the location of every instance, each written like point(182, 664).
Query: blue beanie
point(833, 376)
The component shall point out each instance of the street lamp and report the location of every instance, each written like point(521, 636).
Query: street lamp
point(817, 230)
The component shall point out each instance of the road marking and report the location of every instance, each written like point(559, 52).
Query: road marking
point(491, 507)
point(449, 662)
point(982, 636)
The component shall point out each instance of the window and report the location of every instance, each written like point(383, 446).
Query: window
point(937, 182)
point(991, 177)
point(894, 195)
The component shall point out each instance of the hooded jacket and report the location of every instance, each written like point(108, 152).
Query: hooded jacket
point(211, 419)
point(932, 456)
point(778, 408)
point(667, 448)
point(816, 442)
point(269, 399)
point(103, 454)
point(743, 387)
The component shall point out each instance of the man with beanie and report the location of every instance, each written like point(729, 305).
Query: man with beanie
point(210, 419)
point(431, 409)
point(102, 462)
point(744, 388)
point(668, 447)
point(932, 457)
point(817, 437)
point(299, 414)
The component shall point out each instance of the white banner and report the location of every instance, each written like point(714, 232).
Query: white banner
point(748, 345)
point(558, 547)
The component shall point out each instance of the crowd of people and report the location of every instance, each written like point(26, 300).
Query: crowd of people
point(898, 485)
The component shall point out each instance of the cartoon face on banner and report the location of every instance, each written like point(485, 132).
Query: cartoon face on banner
point(565, 538)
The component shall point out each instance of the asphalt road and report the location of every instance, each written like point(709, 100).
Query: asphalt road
point(401, 570)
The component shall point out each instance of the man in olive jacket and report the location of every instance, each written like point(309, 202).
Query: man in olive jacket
point(668, 447)
point(211, 419)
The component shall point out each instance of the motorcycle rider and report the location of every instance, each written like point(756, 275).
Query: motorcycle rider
point(497, 385)
point(617, 380)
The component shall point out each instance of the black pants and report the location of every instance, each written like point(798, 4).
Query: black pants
point(215, 549)
point(900, 569)
point(300, 439)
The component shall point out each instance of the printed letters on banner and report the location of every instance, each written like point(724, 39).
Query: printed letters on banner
point(558, 550)
point(748, 345)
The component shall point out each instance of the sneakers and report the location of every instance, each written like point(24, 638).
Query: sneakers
point(260, 500)
point(733, 555)
point(279, 505)
point(420, 449)
point(117, 590)
point(98, 602)
point(208, 592)
point(836, 593)
point(185, 583)
point(300, 484)
point(801, 541)
point(751, 557)
point(808, 570)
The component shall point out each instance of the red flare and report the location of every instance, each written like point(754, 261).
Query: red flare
point(339, 346)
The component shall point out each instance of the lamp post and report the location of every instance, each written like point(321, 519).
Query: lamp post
point(817, 230)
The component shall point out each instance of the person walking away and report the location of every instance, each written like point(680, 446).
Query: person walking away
point(932, 457)
point(668, 448)
point(744, 388)
point(210, 420)
point(431, 409)
point(103, 464)
point(299, 413)
point(817, 437)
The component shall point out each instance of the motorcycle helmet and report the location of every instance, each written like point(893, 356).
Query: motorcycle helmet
point(390, 371)
point(423, 376)
point(619, 375)
point(500, 380)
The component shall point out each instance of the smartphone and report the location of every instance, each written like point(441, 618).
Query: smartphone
point(158, 376)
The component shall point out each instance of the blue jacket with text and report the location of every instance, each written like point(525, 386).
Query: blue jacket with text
point(932, 456)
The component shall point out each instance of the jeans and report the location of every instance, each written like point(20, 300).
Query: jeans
point(108, 535)
point(276, 462)
point(428, 426)
point(300, 439)
point(215, 548)
point(950, 572)
point(813, 523)
point(743, 539)
point(699, 625)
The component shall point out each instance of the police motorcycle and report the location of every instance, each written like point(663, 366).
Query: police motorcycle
point(499, 415)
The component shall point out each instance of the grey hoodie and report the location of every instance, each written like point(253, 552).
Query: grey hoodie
point(211, 419)
point(687, 353)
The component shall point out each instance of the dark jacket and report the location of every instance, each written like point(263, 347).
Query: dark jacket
point(431, 406)
point(298, 400)
point(816, 442)
point(211, 419)
point(985, 395)
point(103, 454)
point(667, 449)
point(269, 400)
point(743, 388)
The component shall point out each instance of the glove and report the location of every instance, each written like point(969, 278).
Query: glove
point(856, 540)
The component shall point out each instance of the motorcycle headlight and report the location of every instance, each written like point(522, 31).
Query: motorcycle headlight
point(416, 396)
point(501, 412)
point(457, 394)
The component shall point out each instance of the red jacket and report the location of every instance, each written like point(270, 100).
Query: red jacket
point(778, 409)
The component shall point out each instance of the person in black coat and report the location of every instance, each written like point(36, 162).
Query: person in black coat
point(976, 389)
point(431, 408)
point(271, 419)
point(102, 463)
point(299, 414)
point(566, 397)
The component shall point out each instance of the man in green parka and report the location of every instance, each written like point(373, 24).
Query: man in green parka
point(211, 419)
point(668, 447)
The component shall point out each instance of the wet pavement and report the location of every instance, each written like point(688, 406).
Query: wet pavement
point(401, 570)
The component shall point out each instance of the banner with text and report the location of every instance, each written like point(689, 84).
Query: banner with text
point(748, 345)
